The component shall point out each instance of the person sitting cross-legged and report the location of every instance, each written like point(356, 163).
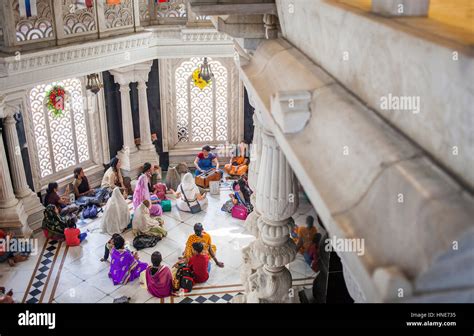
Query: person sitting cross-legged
point(125, 266)
point(188, 194)
point(143, 223)
point(199, 264)
point(204, 238)
point(206, 160)
point(83, 192)
point(157, 278)
point(73, 235)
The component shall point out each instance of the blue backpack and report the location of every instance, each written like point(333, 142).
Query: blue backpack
point(90, 211)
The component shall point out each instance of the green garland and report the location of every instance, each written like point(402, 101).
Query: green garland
point(56, 100)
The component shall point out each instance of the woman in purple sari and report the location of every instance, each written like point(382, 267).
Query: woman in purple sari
point(158, 279)
point(124, 265)
point(142, 191)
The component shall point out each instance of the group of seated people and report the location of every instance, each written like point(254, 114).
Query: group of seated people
point(125, 265)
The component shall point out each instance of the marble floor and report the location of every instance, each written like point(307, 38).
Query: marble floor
point(61, 274)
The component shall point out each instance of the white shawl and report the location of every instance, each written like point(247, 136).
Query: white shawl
point(188, 186)
point(116, 215)
point(142, 221)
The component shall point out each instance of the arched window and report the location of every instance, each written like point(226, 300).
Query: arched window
point(201, 115)
point(63, 142)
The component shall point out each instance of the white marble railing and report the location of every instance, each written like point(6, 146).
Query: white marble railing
point(59, 22)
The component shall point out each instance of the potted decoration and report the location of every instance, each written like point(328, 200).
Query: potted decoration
point(56, 100)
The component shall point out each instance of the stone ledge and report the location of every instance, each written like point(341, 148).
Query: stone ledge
point(356, 195)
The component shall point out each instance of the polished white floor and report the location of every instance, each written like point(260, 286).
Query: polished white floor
point(83, 278)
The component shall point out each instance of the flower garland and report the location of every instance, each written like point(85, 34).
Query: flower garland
point(55, 100)
point(198, 81)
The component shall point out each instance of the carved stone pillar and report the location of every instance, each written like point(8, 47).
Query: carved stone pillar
point(127, 123)
point(129, 152)
point(131, 157)
point(12, 213)
point(20, 187)
point(277, 201)
point(147, 149)
point(31, 202)
point(145, 133)
point(252, 219)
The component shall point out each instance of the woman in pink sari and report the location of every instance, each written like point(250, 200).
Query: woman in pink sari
point(142, 191)
point(124, 266)
point(158, 278)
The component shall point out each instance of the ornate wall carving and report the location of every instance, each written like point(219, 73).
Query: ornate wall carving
point(36, 27)
point(119, 15)
point(78, 21)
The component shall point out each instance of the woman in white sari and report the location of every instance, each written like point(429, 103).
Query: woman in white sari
point(189, 189)
point(143, 223)
point(116, 214)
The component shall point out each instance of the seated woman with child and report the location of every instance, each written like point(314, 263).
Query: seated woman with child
point(61, 202)
point(143, 190)
point(53, 224)
point(241, 195)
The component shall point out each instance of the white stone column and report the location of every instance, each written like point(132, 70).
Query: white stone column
point(131, 157)
point(20, 186)
point(147, 149)
point(255, 155)
point(31, 202)
point(277, 201)
point(145, 133)
point(7, 196)
point(127, 122)
point(12, 213)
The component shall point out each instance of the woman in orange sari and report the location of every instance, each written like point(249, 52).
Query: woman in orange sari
point(306, 235)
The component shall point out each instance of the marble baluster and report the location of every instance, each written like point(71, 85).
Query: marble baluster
point(252, 219)
point(277, 201)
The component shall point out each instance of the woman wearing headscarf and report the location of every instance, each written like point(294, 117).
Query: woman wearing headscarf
point(143, 223)
point(157, 278)
point(188, 190)
point(125, 266)
point(53, 224)
point(142, 191)
point(116, 215)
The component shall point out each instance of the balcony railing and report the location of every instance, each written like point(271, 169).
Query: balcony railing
point(58, 22)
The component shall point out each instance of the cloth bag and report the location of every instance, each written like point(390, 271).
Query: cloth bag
point(193, 209)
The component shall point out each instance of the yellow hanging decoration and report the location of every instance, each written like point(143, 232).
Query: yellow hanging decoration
point(198, 81)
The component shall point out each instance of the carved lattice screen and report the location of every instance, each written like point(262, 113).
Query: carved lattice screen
point(60, 142)
point(201, 115)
